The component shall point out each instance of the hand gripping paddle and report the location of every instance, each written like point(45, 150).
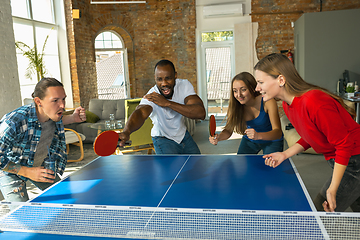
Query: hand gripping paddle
point(212, 125)
point(106, 143)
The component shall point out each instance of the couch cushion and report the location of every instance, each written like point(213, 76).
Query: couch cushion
point(71, 137)
point(91, 117)
point(103, 108)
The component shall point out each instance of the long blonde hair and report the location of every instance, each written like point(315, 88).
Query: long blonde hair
point(276, 64)
point(235, 114)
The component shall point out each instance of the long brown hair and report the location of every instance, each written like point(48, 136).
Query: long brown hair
point(235, 114)
point(276, 64)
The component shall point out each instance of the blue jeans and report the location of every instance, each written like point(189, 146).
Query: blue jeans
point(348, 193)
point(164, 145)
point(14, 189)
point(249, 147)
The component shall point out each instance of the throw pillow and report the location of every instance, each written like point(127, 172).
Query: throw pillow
point(91, 117)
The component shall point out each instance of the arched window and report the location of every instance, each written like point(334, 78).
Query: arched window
point(111, 66)
point(108, 40)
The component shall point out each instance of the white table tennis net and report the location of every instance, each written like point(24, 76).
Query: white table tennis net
point(161, 223)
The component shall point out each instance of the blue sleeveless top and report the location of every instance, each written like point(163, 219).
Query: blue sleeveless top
point(261, 124)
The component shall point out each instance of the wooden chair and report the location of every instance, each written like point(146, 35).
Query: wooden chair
point(141, 139)
point(75, 138)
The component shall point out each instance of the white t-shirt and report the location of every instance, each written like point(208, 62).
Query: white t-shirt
point(167, 122)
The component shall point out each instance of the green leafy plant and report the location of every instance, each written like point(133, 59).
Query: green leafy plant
point(36, 59)
point(350, 89)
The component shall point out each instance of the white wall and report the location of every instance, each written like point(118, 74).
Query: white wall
point(10, 98)
point(245, 51)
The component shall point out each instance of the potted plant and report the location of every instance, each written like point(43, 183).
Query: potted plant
point(350, 89)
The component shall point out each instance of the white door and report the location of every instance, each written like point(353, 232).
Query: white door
point(218, 68)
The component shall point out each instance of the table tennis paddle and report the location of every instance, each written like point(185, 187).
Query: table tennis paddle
point(212, 125)
point(106, 143)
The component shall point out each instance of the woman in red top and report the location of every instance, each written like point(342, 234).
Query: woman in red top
point(324, 123)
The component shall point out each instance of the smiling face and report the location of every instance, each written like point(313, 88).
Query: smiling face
point(268, 86)
point(241, 91)
point(52, 105)
point(165, 80)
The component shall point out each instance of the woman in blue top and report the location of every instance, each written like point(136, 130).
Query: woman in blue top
point(248, 115)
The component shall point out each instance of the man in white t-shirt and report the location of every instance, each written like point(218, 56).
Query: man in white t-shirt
point(166, 103)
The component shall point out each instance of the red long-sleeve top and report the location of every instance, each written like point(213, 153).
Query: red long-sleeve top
point(324, 125)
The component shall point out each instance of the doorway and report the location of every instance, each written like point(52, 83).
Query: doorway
point(219, 65)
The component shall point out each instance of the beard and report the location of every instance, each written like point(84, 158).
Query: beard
point(168, 96)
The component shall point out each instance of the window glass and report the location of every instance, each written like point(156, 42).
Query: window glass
point(23, 62)
point(24, 33)
point(117, 44)
point(52, 66)
point(107, 36)
point(42, 10)
point(19, 8)
point(99, 44)
point(27, 90)
point(108, 40)
point(217, 36)
point(51, 43)
point(107, 44)
point(99, 37)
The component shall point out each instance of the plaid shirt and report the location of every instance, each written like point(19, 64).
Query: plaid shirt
point(20, 132)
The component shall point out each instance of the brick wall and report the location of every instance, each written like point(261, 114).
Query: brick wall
point(9, 80)
point(275, 16)
point(152, 31)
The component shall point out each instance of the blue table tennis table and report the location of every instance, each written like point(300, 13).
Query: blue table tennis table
point(207, 188)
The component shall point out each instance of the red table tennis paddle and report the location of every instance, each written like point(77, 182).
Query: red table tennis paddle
point(106, 143)
point(212, 125)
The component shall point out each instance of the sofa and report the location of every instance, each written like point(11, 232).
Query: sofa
point(99, 111)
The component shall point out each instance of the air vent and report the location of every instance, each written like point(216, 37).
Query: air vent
point(223, 10)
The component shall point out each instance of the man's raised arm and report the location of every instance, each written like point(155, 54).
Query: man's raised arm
point(193, 107)
point(135, 121)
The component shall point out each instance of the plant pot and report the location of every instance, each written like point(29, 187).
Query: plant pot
point(349, 95)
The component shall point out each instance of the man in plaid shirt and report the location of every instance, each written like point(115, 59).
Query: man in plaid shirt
point(32, 134)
